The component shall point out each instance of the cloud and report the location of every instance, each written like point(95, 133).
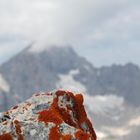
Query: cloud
point(106, 105)
point(10, 45)
point(83, 24)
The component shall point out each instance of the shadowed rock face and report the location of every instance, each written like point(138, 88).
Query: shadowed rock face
point(57, 115)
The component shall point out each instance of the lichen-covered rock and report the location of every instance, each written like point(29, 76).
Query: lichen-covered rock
point(57, 115)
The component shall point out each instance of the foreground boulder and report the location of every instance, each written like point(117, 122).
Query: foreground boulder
point(58, 115)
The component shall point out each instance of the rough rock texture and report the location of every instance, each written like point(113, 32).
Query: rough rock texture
point(57, 115)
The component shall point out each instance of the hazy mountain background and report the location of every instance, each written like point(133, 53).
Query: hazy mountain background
point(88, 46)
point(111, 92)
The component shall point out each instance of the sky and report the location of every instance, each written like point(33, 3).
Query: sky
point(105, 32)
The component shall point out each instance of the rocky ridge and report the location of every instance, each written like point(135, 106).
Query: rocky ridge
point(29, 72)
point(56, 115)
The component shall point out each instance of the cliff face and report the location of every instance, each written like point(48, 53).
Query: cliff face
point(57, 115)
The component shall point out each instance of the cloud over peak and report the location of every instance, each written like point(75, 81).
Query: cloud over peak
point(81, 23)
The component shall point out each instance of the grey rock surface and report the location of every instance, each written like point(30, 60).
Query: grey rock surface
point(56, 115)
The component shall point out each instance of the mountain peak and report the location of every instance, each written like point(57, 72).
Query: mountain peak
point(37, 49)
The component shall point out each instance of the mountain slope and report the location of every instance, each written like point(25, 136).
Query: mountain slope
point(30, 72)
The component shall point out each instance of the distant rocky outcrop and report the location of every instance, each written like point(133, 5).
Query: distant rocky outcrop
point(56, 115)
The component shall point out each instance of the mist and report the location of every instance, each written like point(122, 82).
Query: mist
point(89, 26)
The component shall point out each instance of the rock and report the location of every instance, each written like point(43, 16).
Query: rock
point(57, 115)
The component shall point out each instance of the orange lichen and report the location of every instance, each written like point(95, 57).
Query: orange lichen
point(6, 113)
point(18, 130)
point(5, 123)
point(81, 114)
point(91, 130)
point(54, 134)
point(15, 107)
point(80, 135)
point(65, 113)
point(6, 136)
point(49, 116)
point(38, 94)
point(66, 137)
point(28, 104)
point(55, 114)
point(80, 111)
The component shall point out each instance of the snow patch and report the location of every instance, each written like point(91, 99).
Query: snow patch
point(67, 82)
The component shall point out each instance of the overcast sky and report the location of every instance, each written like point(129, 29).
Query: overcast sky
point(104, 31)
